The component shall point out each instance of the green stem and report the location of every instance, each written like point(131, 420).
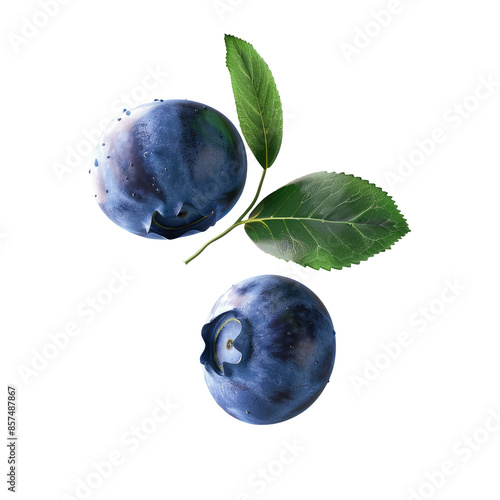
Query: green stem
point(228, 230)
point(255, 198)
point(238, 222)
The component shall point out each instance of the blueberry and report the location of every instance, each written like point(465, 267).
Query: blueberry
point(269, 349)
point(169, 168)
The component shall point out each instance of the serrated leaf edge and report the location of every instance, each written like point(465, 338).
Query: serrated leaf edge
point(400, 236)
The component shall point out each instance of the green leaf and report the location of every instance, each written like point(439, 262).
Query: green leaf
point(326, 220)
point(257, 100)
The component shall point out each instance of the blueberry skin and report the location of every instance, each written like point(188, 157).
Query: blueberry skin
point(169, 168)
point(269, 349)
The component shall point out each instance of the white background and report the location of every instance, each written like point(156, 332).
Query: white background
point(57, 250)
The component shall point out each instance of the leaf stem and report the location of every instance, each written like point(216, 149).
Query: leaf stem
point(238, 222)
point(255, 198)
point(228, 230)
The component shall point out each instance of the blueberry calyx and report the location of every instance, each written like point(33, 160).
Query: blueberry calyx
point(226, 343)
point(187, 220)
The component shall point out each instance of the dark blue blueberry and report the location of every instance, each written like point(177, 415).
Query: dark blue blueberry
point(173, 168)
point(269, 349)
